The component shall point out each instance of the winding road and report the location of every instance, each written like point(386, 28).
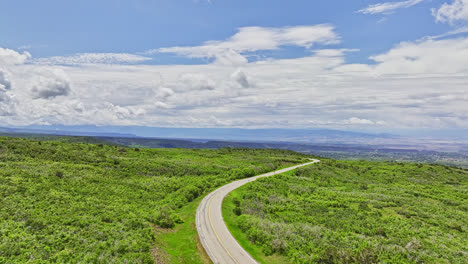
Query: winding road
point(218, 242)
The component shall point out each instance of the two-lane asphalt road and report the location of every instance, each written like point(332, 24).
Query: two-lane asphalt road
point(214, 235)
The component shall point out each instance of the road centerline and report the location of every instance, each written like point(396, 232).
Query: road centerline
point(216, 233)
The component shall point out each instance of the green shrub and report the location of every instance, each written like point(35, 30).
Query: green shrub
point(59, 174)
point(164, 218)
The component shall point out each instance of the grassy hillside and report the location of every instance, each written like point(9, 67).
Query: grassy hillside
point(457, 156)
point(354, 212)
point(93, 203)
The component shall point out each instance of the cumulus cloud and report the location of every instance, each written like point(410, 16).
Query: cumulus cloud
point(251, 39)
point(48, 84)
point(93, 58)
point(11, 57)
point(450, 13)
point(388, 7)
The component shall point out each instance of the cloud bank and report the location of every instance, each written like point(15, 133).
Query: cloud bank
point(414, 84)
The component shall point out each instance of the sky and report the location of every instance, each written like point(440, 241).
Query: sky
point(355, 65)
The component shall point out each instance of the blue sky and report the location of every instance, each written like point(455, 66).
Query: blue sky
point(336, 64)
point(58, 28)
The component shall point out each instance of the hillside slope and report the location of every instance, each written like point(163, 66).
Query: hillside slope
point(92, 203)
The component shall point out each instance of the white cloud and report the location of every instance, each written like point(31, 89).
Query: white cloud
point(93, 58)
point(414, 84)
point(450, 13)
point(11, 57)
point(230, 58)
point(251, 39)
point(425, 57)
point(388, 7)
point(333, 52)
point(360, 121)
point(47, 84)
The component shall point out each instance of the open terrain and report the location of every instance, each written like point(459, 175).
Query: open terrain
point(354, 212)
point(71, 199)
point(93, 203)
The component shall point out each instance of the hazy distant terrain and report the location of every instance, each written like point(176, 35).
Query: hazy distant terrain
point(454, 154)
point(432, 141)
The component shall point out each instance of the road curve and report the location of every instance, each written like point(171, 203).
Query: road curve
point(218, 242)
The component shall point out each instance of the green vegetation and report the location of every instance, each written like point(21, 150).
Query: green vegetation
point(68, 139)
point(354, 212)
point(94, 203)
point(444, 156)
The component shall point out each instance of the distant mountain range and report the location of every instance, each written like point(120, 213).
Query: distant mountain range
point(263, 135)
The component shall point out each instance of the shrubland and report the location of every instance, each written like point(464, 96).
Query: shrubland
point(63, 202)
point(354, 212)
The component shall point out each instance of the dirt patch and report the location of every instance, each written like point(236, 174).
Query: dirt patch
point(159, 256)
point(159, 230)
